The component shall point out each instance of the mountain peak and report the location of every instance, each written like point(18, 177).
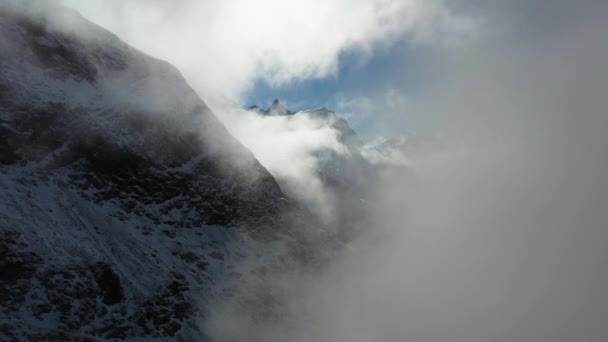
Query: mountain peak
point(276, 109)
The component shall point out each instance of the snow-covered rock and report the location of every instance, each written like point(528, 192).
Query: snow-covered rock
point(122, 197)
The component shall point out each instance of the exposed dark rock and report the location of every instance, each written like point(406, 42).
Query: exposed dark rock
point(17, 268)
point(108, 282)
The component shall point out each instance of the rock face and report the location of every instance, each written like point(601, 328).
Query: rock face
point(120, 192)
point(275, 109)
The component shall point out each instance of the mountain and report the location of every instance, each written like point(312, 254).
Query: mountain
point(123, 199)
point(275, 109)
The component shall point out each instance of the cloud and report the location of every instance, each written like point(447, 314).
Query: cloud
point(372, 113)
point(224, 46)
point(285, 145)
point(500, 238)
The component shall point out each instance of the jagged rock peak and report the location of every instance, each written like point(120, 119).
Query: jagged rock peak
point(276, 109)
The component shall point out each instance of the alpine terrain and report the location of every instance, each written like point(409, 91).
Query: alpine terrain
point(124, 203)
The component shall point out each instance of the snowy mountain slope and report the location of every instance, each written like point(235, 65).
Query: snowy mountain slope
point(74, 104)
point(123, 200)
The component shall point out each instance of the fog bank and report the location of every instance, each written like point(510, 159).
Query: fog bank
point(501, 235)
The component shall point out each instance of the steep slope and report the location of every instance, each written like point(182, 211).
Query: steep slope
point(120, 192)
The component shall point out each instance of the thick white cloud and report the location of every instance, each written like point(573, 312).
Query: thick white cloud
point(500, 237)
point(223, 46)
point(285, 146)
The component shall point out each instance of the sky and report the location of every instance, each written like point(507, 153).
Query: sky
point(308, 54)
point(360, 86)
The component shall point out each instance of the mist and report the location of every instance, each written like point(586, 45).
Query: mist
point(500, 235)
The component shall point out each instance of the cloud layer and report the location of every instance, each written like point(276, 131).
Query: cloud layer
point(285, 145)
point(503, 236)
point(224, 46)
